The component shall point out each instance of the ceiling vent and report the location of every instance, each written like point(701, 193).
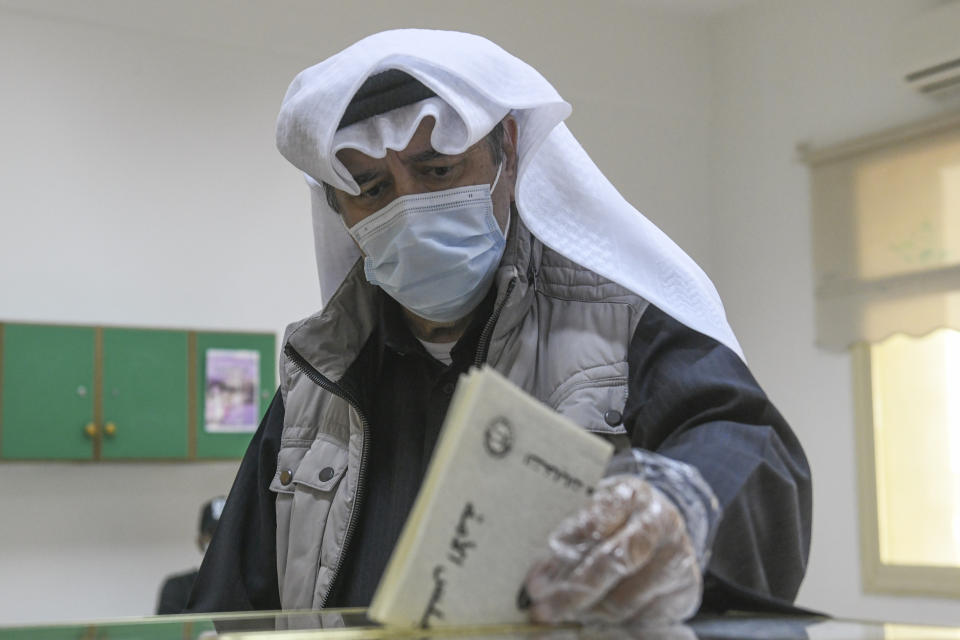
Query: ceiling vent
point(929, 51)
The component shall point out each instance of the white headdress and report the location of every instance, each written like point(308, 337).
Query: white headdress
point(561, 195)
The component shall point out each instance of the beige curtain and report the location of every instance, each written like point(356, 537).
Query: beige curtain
point(886, 233)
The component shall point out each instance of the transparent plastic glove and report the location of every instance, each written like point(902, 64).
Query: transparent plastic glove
point(625, 557)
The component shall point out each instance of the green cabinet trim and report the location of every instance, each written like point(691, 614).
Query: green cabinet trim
point(192, 395)
point(2, 325)
point(98, 392)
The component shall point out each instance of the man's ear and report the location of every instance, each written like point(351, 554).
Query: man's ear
point(511, 163)
point(510, 133)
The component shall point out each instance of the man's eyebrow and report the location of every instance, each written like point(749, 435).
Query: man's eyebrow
point(424, 156)
point(366, 176)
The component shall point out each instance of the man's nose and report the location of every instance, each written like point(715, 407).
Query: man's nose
point(405, 180)
point(407, 184)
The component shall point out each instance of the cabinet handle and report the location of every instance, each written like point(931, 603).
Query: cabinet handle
point(90, 430)
point(110, 429)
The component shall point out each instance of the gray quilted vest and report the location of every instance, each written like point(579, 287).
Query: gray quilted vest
point(558, 331)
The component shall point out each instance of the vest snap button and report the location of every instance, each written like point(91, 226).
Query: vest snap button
point(326, 473)
point(612, 417)
point(286, 476)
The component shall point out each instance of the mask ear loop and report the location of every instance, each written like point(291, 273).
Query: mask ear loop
point(494, 186)
point(497, 178)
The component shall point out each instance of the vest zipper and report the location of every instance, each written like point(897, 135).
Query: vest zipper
point(483, 345)
point(324, 383)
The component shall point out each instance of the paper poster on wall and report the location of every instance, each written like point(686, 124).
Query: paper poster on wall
point(232, 387)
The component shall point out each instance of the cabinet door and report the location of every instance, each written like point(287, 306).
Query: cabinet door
point(47, 394)
point(145, 394)
point(223, 440)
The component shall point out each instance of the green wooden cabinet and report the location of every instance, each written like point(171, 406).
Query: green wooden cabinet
point(47, 401)
point(91, 393)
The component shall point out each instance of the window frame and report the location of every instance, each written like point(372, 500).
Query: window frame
point(878, 576)
point(840, 296)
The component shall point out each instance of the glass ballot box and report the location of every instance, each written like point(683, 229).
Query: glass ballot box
point(344, 624)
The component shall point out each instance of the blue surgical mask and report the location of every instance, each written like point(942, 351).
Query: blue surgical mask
point(435, 253)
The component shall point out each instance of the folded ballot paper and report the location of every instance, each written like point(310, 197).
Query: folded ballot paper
point(505, 472)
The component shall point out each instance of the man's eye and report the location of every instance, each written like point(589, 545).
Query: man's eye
point(373, 191)
point(439, 172)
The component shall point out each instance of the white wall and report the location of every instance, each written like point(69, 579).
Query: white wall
point(787, 72)
point(140, 183)
point(92, 541)
point(139, 186)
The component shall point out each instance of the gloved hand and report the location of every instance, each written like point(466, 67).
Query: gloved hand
point(625, 557)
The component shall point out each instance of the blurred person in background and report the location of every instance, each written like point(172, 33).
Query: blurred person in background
point(176, 588)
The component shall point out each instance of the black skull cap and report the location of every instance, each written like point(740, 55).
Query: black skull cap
point(210, 515)
point(383, 92)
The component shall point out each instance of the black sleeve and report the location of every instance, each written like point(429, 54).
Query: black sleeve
point(175, 592)
point(693, 399)
point(239, 570)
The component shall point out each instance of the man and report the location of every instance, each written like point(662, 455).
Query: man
point(176, 588)
point(458, 222)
